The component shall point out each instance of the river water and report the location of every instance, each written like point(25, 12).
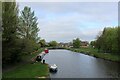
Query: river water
point(76, 65)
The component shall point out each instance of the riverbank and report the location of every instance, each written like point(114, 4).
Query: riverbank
point(27, 69)
point(94, 52)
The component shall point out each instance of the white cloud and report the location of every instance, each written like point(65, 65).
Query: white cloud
point(66, 21)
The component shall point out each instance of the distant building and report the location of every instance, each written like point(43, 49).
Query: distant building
point(84, 44)
point(61, 44)
point(69, 44)
point(65, 44)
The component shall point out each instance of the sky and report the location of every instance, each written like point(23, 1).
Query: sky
point(65, 21)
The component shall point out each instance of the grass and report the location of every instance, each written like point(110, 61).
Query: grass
point(94, 52)
point(28, 70)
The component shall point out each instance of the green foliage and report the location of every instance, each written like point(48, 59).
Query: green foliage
point(108, 41)
point(92, 43)
point(53, 43)
point(9, 20)
point(28, 30)
point(76, 43)
point(29, 46)
point(28, 25)
point(42, 43)
point(19, 35)
point(9, 35)
point(119, 39)
point(93, 52)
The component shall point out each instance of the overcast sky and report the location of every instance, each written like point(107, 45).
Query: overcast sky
point(64, 21)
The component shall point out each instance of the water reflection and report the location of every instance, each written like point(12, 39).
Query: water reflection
point(75, 65)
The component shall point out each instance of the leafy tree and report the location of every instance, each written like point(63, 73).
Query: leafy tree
point(92, 43)
point(19, 33)
point(28, 28)
point(53, 43)
point(42, 42)
point(108, 40)
point(118, 40)
point(76, 43)
point(9, 20)
point(9, 35)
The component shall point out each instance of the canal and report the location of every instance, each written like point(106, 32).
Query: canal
point(76, 65)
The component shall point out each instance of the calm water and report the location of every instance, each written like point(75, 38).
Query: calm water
point(76, 65)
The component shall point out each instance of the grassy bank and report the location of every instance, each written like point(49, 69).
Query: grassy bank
point(94, 52)
point(28, 70)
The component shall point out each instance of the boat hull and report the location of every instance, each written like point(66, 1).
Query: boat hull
point(53, 70)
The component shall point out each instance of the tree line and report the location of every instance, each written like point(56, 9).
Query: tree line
point(19, 32)
point(108, 41)
point(43, 43)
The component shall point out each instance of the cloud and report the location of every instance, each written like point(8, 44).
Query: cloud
point(65, 21)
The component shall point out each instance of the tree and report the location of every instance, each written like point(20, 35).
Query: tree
point(119, 39)
point(28, 28)
point(92, 43)
point(53, 43)
point(76, 43)
point(11, 48)
point(9, 20)
point(42, 42)
point(108, 40)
